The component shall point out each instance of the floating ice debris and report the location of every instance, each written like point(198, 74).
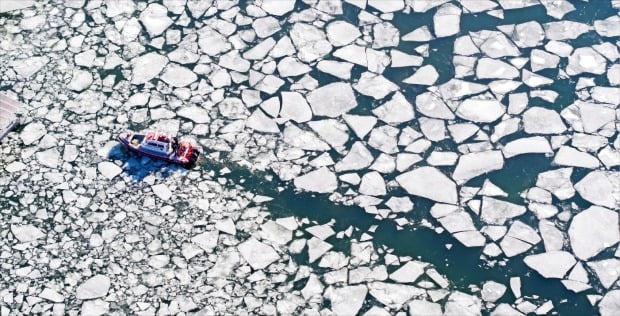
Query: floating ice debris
point(346, 300)
point(146, 67)
point(492, 291)
point(563, 30)
point(401, 59)
point(527, 145)
point(461, 304)
point(385, 35)
point(162, 191)
point(480, 111)
point(474, 164)
point(29, 66)
point(109, 169)
point(538, 120)
point(374, 85)
point(569, 156)
point(421, 34)
point(586, 60)
point(496, 211)
point(396, 110)
point(447, 20)
point(551, 264)
point(424, 308)
point(278, 7)
point(593, 230)
point(387, 6)
point(310, 42)
point(426, 75)
point(178, 76)
point(320, 181)
point(94, 287)
point(600, 188)
point(81, 80)
point(32, 133)
point(257, 254)
point(332, 100)
point(262, 123)
point(26, 233)
point(155, 19)
point(423, 181)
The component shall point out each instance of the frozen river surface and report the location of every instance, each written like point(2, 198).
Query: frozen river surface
point(362, 157)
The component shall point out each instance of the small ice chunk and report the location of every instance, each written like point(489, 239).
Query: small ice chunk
point(447, 20)
point(424, 308)
point(488, 68)
point(401, 59)
point(360, 124)
point(492, 291)
point(421, 34)
point(338, 69)
point(494, 211)
point(569, 156)
point(551, 264)
point(178, 76)
point(461, 304)
point(320, 181)
point(527, 145)
point(295, 107)
point(155, 19)
point(397, 110)
point(96, 286)
point(259, 121)
point(346, 300)
point(480, 111)
point(81, 80)
point(474, 164)
point(257, 254)
point(161, 191)
point(359, 157)
point(332, 100)
point(278, 7)
point(528, 34)
point(592, 231)
point(147, 67)
point(109, 169)
point(431, 105)
point(538, 120)
point(426, 75)
point(562, 30)
point(586, 60)
point(32, 133)
point(374, 85)
point(311, 42)
point(387, 6)
point(26, 233)
point(600, 188)
point(423, 182)
point(385, 35)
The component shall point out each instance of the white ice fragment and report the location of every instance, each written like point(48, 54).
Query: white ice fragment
point(426, 75)
point(424, 308)
point(562, 30)
point(162, 191)
point(262, 123)
point(29, 66)
point(278, 7)
point(551, 264)
point(401, 59)
point(461, 304)
point(311, 42)
point(346, 300)
point(178, 76)
point(423, 182)
point(360, 124)
point(32, 133)
point(494, 211)
point(488, 68)
point(374, 85)
point(569, 156)
point(492, 291)
point(146, 67)
point(527, 145)
point(81, 80)
point(341, 33)
point(474, 164)
point(96, 286)
point(320, 181)
point(26, 233)
point(586, 60)
point(592, 231)
point(295, 107)
point(109, 169)
point(372, 184)
point(291, 67)
point(387, 6)
point(480, 111)
point(155, 19)
point(538, 120)
point(257, 254)
point(447, 20)
point(397, 110)
point(431, 105)
point(600, 188)
point(332, 100)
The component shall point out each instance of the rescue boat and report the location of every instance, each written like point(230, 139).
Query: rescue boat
point(161, 146)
